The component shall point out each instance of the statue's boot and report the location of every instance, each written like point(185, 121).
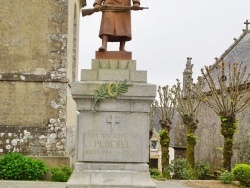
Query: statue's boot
point(122, 45)
point(104, 43)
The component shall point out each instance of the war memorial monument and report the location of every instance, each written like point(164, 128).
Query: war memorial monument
point(113, 100)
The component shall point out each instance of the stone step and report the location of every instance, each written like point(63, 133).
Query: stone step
point(113, 75)
point(116, 176)
point(86, 89)
point(113, 64)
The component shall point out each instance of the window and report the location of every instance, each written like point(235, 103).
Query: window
point(153, 144)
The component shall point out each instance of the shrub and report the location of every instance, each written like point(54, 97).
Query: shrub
point(155, 173)
point(61, 174)
point(15, 166)
point(215, 173)
point(180, 169)
point(241, 172)
point(226, 177)
point(202, 171)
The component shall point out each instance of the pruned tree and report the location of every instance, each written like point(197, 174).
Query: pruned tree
point(187, 107)
point(165, 110)
point(225, 89)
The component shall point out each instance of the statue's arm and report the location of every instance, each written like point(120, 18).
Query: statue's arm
point(97, 3)
point(136, 3)
point(84, 3)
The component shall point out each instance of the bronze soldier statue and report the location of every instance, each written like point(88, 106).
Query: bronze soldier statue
point(115, 24)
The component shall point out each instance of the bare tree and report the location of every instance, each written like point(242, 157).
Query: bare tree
point(165, 110)
point(225, 89)
point(187, 107)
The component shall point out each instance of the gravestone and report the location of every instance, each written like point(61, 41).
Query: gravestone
point(113, 134)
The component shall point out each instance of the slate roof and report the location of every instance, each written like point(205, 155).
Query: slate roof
point(239, 51)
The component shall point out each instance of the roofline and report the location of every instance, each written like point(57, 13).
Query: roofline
point(236, 41)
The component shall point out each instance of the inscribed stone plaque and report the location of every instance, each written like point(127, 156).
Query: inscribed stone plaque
point(113, 137)
point(111, 146)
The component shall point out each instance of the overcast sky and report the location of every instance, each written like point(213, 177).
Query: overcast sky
point(169, 32)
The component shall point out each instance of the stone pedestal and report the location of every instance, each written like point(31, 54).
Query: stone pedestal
point(113, 135)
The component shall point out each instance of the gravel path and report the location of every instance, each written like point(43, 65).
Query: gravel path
point(209, 184)
point(170, 184)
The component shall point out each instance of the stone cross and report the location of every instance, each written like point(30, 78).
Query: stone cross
point(247, 23)
point(113, 121)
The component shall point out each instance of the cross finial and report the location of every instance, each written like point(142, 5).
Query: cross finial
point(246, 22)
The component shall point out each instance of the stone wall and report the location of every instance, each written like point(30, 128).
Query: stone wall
point(33, 117)
point(210, 141)
point(209, 147)
point(38, 62)
point(179, 138)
